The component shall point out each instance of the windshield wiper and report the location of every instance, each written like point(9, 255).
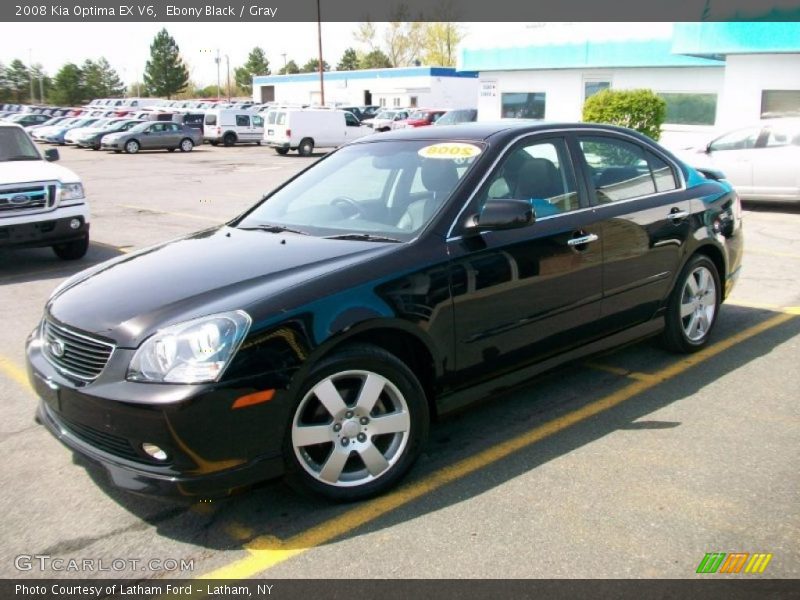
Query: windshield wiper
point(22, 157)
point(367, 237)
point(274, 229)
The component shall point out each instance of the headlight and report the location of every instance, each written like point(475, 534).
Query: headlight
point(193, 352)
point(72, 191)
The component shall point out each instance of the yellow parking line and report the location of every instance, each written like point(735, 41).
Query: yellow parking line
point(267, 551)
point(218, 221)
point(123, 249)
point(13, 372)
point(789, 310)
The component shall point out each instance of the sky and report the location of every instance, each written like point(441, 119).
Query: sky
point(127, 45)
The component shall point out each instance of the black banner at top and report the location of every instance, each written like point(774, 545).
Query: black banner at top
point(395, 10)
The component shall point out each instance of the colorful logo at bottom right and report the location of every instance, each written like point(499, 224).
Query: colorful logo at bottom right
point(734, 562)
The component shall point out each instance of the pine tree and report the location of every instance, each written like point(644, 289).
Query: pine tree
point(165, 74)
point(68, 86)
point(290, 69)
point(257, 64)
point(349, 61)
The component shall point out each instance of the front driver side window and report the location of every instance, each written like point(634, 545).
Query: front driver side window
point(539, 172)
point(742, 139)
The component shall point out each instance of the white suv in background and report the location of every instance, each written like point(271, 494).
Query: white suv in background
point(41, 204)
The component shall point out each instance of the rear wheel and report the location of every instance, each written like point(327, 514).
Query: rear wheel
point(359, 423)
point(306, 147)
point(72, 250)
point(132, 146)
point(693, 306)
point(186, 145)
point(282, 151)
point(229, 139)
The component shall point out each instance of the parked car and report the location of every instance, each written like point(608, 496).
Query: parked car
point(38, 133)
point(48, 123)
point(41, 204)
point(386, 120)
point(158, 135)
point(399, 277)
point(57, 134)
point(71, 136)
point(304, 129)
point(190, 119)
point(422, 117)
point(762, 161)
point(459, 115)
point(232, 126)
point(26, 119)
point(91, 138)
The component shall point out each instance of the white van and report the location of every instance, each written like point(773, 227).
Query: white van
point(231, 126)
point(304, 129)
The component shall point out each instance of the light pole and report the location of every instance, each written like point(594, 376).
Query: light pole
point(319, 40)
point(216, 60)
point(30, 73)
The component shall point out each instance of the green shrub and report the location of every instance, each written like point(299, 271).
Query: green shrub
point(640, 110)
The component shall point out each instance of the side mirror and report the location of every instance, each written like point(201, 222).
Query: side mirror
point(51, 155)
point(503, 214)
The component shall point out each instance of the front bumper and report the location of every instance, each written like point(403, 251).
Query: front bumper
point(212, 450)
point(114, 145)
point(47, 232)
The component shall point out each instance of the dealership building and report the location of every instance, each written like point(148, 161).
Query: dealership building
point(439, 87)
point(711, 75)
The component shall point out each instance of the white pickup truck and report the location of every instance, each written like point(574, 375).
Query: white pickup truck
point(41, 204)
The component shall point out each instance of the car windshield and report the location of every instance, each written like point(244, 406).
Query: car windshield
point(388, 189)
point(455, 116)
point(16, 145)
point(385, 114)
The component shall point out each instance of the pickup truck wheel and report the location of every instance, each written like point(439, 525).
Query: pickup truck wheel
point(186, 145)
point(282, 151)
point(132, 147)
point(229, 139)
point(72, 250)
point(306, 147)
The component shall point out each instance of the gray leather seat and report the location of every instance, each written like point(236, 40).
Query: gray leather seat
point(440, 178)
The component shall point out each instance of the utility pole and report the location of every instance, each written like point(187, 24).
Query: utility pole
point(228, 67)
point(284, 62)
point(319, 40)
point(30, 73)
point(216, 60)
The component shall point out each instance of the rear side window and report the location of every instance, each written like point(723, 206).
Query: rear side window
point(619, 169)
point(242, 121)
point(663, 175)
point(211, 119)
point(280, 118)
point(258, 121)
point(271, 118)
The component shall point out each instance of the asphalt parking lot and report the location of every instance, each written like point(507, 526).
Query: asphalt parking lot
point(635, 463)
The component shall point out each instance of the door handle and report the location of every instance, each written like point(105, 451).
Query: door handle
point(584, 239)
point(678, 215)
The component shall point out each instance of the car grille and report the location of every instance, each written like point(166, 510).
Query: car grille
point(27, 198)
point(75, 354)
point(107, 442)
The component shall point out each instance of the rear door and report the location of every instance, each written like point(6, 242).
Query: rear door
point(523, 294)
point(646, 219)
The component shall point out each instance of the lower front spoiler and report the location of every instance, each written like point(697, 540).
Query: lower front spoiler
point(139, 480)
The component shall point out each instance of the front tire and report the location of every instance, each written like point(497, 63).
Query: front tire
point(359, 421)
point(693, 306)
point(72, 250)
point(132, 147)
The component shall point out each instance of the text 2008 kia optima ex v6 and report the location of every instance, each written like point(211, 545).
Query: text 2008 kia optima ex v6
point(400, 277)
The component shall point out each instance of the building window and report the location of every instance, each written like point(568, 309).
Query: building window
point(382, 103)
point(591, 87)
point(413, 102)
point(523, 105)
point(690, 109)
point(396, 102)
point(780, 103)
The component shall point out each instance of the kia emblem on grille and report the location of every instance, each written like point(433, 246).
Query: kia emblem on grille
point(20, 199)
point(57, 348)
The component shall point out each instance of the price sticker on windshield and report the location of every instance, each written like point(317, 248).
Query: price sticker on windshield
point(449, 150)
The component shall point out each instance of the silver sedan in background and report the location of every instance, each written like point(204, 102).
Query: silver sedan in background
point(154, 135)
point(762, 161)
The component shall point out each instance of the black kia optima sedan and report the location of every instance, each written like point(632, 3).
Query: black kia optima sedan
point(398, 278)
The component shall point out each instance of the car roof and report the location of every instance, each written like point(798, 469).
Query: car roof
point(483, 130)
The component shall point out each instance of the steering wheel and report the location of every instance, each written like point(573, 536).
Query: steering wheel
point(348, 205)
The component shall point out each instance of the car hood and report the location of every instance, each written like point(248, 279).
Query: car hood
point(25, 171)
point(220, 269)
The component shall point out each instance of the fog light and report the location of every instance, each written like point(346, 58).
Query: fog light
point(75, 224)
point(154, 451)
